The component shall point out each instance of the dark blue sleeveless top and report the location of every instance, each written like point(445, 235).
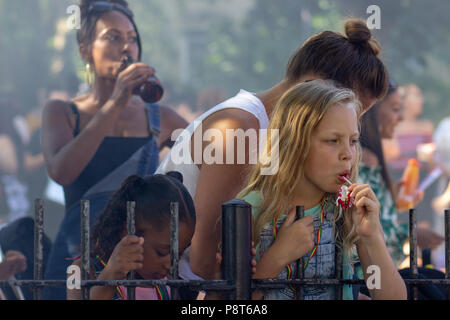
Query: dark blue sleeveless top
point(114, 152)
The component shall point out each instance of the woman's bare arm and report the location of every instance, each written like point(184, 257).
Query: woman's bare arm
point(65, 155)
point(216, 184)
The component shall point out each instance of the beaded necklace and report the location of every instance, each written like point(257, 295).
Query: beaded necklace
point(318, 235)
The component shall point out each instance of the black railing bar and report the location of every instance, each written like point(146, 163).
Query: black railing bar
point(447, 248)
point(141, 283)
point(219, 283)
point(38, 245)
point(414, 271)
point(131, 231)
point(174, 250)
point(236, 247)
point(85, 247)
point(338, 259)
point(311, 282)
point(300, 292)
point(215, 284)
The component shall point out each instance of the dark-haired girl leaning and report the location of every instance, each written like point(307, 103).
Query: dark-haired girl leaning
point(115, 253)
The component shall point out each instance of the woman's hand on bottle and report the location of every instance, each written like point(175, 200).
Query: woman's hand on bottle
point(128, 255)
point(294, 238)
point(127, 80)
point(366, 213)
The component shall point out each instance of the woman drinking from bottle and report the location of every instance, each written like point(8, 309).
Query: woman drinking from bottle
point(92, 143)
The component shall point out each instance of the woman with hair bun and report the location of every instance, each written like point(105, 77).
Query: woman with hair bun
point(318, 153)
point(351, 60)
point(92, 143)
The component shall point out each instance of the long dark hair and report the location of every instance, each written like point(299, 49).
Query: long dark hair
point(91, 11)
point(352, 60)
point(371, 137)
point(153, 196)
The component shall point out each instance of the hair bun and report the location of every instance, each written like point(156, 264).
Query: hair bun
point(175, 174)
point(359, 34)
point(357, 31)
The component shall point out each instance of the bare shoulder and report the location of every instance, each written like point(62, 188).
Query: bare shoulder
point(58, 124)
point(231, 118)
point(57, 110)
point(221, 128)
point(56, 106)
point(234, 117)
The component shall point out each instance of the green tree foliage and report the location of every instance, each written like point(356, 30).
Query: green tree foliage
point(28, 54)
point(414, 35)
point(253, 54)
point(224, 50)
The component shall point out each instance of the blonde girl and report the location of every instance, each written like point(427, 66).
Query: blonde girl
point(318, 149)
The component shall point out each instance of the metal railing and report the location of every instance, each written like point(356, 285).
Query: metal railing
point(237, 283)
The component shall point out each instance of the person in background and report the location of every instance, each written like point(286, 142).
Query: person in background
point(377, 124)
point(14, 202)
point(411, 132)
point(94, 141)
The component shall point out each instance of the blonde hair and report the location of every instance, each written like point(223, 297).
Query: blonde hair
point(296, 115)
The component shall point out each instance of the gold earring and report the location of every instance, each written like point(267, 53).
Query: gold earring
point(89, 75)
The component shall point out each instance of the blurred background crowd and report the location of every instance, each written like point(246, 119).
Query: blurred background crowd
point(205, 51)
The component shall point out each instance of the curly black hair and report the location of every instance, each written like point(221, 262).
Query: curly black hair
point(152, 195)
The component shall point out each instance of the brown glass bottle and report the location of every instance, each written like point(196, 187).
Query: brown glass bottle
point(151, 91)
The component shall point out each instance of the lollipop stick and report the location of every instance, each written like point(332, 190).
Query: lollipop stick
point(346, 180)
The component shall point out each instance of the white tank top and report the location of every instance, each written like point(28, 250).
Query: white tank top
point(244, 100)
